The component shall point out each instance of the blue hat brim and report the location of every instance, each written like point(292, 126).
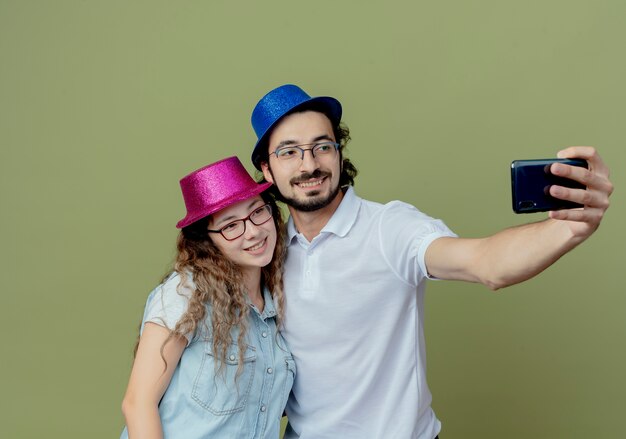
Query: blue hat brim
point(333, 111)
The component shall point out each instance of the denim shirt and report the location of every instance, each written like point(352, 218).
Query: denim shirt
point(200, 404)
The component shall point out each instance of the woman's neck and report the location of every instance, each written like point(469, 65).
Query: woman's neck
point(252, 283)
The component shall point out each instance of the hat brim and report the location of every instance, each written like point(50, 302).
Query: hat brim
point(334, 113)
point(235, 198)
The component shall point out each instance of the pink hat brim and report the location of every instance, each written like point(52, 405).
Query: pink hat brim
point(235, 198)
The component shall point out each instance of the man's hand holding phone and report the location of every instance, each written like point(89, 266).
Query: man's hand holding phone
point(531, 181)
point(595, 198)
point(590, 188)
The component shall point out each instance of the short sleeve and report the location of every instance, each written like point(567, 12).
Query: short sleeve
point(167, 303)
point(405, 234)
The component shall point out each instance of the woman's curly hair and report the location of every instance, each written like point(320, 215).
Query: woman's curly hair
point(219, 287)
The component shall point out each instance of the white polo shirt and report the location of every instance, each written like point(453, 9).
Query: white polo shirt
point(354, 322)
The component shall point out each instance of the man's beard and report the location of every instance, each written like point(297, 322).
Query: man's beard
point(313, 203)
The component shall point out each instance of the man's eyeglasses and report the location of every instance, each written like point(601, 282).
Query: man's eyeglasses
point(235, 229)
point(290, 153)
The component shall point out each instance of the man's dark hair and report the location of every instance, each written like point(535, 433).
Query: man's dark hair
point(342, 137)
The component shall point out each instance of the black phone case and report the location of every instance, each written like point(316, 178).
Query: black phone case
point(531, 180)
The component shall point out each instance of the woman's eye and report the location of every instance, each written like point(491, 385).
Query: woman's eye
point(230, 226)
point(258, 211)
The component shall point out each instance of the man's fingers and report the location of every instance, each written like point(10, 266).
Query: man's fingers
point(586, 197)
point(581, 175)
point(589, 177)
point(589, 153)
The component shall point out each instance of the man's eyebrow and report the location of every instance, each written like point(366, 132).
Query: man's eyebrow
point(323, 137)
point(286, 143)
point(314, 140)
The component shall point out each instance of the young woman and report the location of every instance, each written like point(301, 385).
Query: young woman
point(210, 361)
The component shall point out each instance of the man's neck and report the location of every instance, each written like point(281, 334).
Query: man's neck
point(310, 224)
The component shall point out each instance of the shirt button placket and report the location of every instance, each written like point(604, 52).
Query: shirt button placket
point(266, 349)
point(308, 277)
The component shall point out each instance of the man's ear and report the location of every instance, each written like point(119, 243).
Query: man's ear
point(266, 172)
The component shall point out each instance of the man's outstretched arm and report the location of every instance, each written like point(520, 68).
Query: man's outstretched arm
point(519, 253)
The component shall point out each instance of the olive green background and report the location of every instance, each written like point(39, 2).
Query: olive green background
point(105, 105)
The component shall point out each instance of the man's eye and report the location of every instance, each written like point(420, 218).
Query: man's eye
point(286, 152)
point(324, 147)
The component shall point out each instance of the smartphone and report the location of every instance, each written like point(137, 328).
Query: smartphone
point(531, 181)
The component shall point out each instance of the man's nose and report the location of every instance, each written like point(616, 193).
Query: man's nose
point(309, 162)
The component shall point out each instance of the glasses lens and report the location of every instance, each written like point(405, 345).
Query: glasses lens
point(324, 148)
point(261, 215)
point(237, 228)
point(288, 153)
point(233, 230)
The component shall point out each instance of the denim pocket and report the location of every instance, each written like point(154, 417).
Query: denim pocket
point(223, 394)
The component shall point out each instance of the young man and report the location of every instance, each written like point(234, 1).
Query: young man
point(355, 271)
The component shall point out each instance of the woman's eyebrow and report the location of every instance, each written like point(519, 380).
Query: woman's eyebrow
point(233, 217)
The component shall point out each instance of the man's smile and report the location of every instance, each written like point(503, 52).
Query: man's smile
point(309, 184)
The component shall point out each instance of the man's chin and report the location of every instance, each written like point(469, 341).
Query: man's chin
point(313, 202)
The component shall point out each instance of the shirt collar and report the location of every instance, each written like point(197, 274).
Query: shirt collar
point(269, 310)
point(342, 220)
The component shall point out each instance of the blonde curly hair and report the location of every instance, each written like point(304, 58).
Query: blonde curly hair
point(219, 287)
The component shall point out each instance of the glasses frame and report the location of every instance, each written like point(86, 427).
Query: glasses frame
point(266, 206)
point(302, 150)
